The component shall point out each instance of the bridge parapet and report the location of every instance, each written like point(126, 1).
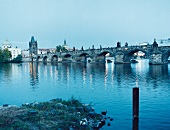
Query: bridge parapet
point(157, 55)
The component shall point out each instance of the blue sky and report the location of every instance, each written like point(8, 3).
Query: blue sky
point(83, 22)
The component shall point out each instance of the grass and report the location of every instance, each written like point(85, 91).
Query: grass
point(56, 113)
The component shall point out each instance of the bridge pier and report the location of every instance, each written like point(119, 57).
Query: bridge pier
point(155, 55)
point(155, 59)
point(119, 58)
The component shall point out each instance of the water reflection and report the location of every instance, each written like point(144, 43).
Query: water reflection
point(97, 71)
point(33, 74)
point(158, 70)
point(66, 67)
point(108, 86)
point(157, 74)
point(122, 71)
point(79, 70)
point(6, 70)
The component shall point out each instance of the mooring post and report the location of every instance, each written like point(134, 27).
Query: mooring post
point(135, 108)
point(135, 102)
point(135, 123)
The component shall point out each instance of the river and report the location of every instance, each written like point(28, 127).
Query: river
point(106, 86)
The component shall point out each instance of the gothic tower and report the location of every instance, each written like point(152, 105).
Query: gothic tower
point(33, 47)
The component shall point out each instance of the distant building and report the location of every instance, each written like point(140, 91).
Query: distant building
point(14, 51)
point(6, 44)
point(52, 50)
point(42, 51)
point(25, 53)
point(65, 45)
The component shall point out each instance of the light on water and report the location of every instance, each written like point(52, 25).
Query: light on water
point(108, 86)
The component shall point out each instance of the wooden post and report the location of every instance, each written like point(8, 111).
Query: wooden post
point(135, 123)
point(135, 102)
point(135, 108)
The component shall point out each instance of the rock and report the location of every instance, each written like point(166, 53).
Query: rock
point(53, 112)
point(88, 108)
point(83, 122)
point(56, 100)
point(111, 119)
point(74, 101)
point(32, 112)
point(25, 104)
point(59, 105)
point(96, 125)
point(65, 106)
point(80, 109)
point(79, 113)
point(39, 106)
point(103, 122)
point(71, 109)
point(5, 105)
point(104, 112)
point(91, 114)
point(108, 124)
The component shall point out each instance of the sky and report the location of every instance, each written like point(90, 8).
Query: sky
point(83, 22)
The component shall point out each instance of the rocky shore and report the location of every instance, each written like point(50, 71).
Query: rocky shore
point(56, 114)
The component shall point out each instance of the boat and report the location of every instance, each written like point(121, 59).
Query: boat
point(133, 61)
point(109, 61)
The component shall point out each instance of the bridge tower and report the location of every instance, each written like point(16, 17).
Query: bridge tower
point(33, 48)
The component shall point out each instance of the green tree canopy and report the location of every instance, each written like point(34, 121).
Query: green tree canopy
point(18, 59)
point(5, 55)
point(61, 49)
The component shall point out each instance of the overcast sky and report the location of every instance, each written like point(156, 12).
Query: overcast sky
point(83, 22)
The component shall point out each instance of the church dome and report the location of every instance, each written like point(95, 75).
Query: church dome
point(6, 44)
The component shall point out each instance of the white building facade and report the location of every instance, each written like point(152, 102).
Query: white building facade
point(14, 51)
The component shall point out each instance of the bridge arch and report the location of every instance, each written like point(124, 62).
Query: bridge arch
point(82, 57)
point(83, 54)
point(54, 58)
point(67, 55)
point(103, 53)
point(129, 54)
point(38, 57)
point(45, 59)
point(165, 56)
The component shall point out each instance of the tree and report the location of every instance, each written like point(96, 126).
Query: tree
point(5, 55)
point(61, 48)
point(18, 59)
point(1, 56)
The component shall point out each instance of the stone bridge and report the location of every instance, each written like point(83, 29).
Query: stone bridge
point(156, 55)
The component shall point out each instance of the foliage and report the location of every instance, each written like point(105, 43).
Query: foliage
point(61, 49)
point(56, 113)
point(18, 59)
point(5, 55)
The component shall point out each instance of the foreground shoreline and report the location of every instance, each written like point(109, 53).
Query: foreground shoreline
point(56, 114)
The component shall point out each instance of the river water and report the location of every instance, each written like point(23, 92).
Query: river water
point(105, 86)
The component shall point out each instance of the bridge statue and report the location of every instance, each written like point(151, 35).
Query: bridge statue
point(118, 44)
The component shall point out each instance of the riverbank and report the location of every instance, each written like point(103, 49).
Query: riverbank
point(56, 114)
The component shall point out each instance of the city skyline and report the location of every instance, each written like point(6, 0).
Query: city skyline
point(83, 23)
